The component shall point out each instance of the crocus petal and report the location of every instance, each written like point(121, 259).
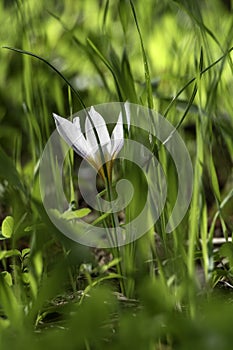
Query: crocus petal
point(66, 129)
point(101, 129)
point(81, 144)
point(96, 136)
point(117, 138)
point(72, 135)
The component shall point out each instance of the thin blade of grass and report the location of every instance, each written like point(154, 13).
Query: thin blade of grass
point(145, 61)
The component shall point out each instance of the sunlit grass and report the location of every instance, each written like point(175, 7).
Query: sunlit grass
point(174, 291)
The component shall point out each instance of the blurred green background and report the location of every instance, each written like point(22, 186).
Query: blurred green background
point(175, 57)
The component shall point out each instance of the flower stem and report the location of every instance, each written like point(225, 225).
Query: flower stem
point(114, 224)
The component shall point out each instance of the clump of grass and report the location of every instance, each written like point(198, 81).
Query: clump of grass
point(172, 290)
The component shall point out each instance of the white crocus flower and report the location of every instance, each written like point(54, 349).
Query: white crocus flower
point(89, 146)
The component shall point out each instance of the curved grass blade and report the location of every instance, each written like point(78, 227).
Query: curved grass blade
point(108, 65)
point(77, 94)
point(51, 66)
point(105, 14)
point(193, 80)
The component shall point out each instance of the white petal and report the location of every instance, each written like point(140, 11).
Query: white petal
point(81, 143)
point(72, 134)
point(117, 138)
point(65, 129)
point(101, 129)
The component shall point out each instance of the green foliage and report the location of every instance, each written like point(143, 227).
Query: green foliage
point(8, 226)
point(8, 171)
point(165, 291)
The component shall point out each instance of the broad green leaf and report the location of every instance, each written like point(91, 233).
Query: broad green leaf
point(8, 226)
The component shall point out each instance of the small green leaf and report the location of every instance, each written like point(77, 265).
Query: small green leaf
point(25, 277)
point(25, 252)
point(8, 226)
point(2, 238)
point(8, 253)
point(76, 214)
point(71, 214)
point(7, 277)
